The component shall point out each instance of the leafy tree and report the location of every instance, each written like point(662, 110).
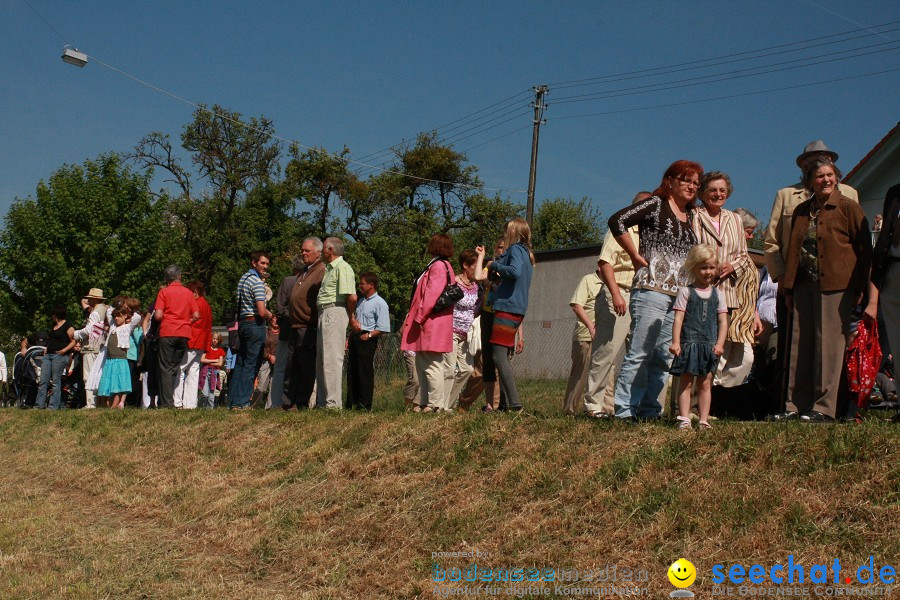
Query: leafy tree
point(437, 179)
point(263, 221)
point(564, 223)
point(320, 179)
point(90, 225)
point(232, 156)
point(486, 217)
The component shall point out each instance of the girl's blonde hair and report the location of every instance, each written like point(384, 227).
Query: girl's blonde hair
point(518, 231)
point(698, 255)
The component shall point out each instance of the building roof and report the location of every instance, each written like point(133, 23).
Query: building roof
point(872, 152)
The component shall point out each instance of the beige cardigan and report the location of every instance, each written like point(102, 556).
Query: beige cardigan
point(730, 243)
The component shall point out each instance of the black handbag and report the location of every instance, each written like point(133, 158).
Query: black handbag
point(450, 296)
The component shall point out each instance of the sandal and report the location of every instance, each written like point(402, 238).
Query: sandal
point(684, 423)
point(705, 425)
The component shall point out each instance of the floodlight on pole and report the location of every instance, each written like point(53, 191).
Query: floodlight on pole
point(74, 57)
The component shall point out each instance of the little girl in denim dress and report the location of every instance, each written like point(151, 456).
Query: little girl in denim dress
point(698, 334)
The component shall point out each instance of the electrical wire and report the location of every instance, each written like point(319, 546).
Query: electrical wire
point(463, 118)
point(499, 137)
point(516, 113)
point(675, 67)
point(727, 76)
point(476, 129)
point(46, 22)
point(698, 67)
point(728, 97)
point(389, 151)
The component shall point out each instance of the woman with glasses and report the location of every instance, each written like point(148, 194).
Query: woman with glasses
point(736, 277)
point(665, 228)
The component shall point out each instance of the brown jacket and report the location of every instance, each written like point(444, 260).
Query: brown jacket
point(778, 232)
point(302, 307)
point(844, 245)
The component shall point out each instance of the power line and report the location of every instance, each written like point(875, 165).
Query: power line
point(759, 53)
point(462, 123)
point(459, 136)
point(463, 118)
point(475, 129)
point(642, 89)
point(664, 86)
point(499, 137)
point(728, 97)
point(722, 63)
point(41, 17)
point(669, 68)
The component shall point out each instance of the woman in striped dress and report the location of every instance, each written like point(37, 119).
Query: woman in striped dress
point(737, 278)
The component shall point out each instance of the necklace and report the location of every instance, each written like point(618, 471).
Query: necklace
point(814, 211)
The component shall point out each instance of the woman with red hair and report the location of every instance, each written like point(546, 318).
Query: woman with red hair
point(665, 230)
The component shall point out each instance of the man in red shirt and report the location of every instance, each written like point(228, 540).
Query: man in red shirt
point(175, 309)
point(187, 388)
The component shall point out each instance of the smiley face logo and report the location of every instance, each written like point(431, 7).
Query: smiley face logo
point(682, 573)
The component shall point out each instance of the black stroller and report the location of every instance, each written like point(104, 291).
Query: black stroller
point(27, 376)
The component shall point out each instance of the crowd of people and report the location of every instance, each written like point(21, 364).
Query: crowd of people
point(675, 292)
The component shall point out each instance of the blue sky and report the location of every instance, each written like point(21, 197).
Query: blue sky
point(370, 74)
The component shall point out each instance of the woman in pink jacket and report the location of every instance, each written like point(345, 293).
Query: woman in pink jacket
point(430, 335)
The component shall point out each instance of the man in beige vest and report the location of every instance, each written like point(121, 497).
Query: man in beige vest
point(612, 323)
point(778, 232)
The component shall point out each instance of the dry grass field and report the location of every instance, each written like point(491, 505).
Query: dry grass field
point(213, 504)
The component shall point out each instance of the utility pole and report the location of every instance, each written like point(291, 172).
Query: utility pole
point(539, 106)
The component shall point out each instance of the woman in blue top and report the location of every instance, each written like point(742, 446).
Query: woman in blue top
point(514, 268)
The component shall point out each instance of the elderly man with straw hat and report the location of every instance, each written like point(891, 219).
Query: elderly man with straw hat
point(90, 337)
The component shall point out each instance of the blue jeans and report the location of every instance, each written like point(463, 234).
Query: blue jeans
point(207, 395)
point(51, 373)
point(646, 366)
point(253, 338)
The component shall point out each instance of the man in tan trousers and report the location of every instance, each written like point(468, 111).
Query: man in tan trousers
point(612, 322)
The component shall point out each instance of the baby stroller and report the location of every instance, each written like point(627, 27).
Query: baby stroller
point(27, 375)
